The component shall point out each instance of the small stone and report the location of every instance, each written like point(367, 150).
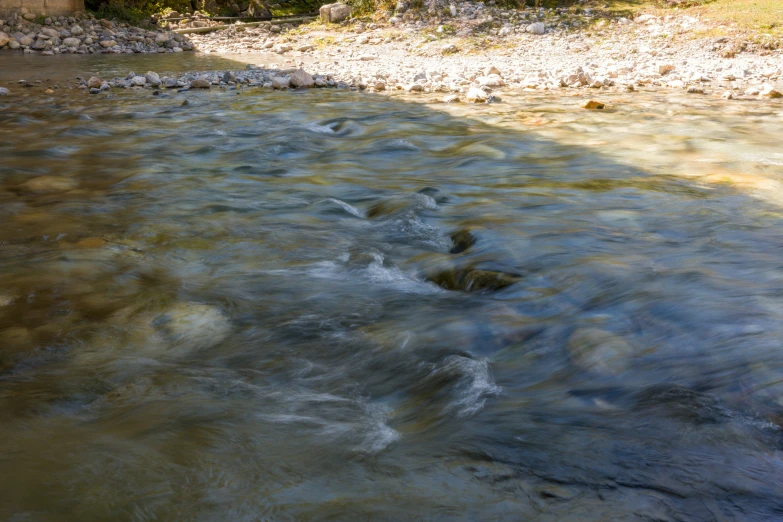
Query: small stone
point(593, 105)
point(4, 91)
point(138, 81)
point(451, 98)
point(665, 69)
point(200, 83)
point(489, 71)
point(367, 57)
point(94, 82)
point(693, 89)
point(72, 42)
point(536, 28)
point(415, 87)
point(379, 86)
point(108, 43)
point(728, 95)
point(95, 91)
point(449, 49)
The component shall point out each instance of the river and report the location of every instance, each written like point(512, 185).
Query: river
point(328, 305)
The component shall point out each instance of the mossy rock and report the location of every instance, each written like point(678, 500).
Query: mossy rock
point(463, 240)
point(474, 280)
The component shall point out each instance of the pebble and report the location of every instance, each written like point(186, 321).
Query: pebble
point(593, 105)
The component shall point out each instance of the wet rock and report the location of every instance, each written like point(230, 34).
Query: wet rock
point(47, 185)
point(152, 79)
point(678, 402)
point(463, 240)
point(200, 83)
point(451, 98)
point(194, 326)
point(4, 39)
point(593, 105)
point(301, 79)
point(693, 89)
point(4, 91)
point(472, 279)
point(281, 82)
point(769, 91)
point(476, 95)
point(396, 204)
point(138, 81)
point(334, 13)
point(599, 351)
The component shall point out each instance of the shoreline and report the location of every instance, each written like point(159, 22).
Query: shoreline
point(466, 57)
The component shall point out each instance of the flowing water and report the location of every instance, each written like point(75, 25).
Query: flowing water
point(337, 306)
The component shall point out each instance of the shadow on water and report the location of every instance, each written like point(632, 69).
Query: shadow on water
point(229, 311)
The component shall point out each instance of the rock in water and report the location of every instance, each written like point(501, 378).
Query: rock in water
point(4, 91)
point(194, 326)
point(47, 185)
point(769, 91)
point(476, 95)
point(599, 351)
point(463, 240)
point(94, 83)
point(152, 79)
point(281, 82)
point(334, 13)
point(474, 280)
point(200, 83)
point(301, 79)
point(593, 105)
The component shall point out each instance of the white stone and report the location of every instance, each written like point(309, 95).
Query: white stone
point(280, 82)
point(476, 95)
point(536, 28)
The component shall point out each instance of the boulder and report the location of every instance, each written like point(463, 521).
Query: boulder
point(476, 95)
point(769, 91)
point(72, 42)
point(106, 44)
point(334, 13)
point(536, 28)
point(4, 39)
point(4, 91)
point(301, 79)
point(94, 83)
point(281, 82)
point(138, 81)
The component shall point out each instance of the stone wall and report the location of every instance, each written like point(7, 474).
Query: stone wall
point(42, 7)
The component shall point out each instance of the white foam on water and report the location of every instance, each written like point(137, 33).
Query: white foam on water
point(379, 434)
point(345, 206)
point(476, 384)
point(375, 273)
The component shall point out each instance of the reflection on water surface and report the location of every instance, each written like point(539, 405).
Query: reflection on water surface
point(325, 305)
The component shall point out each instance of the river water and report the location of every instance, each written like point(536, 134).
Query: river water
point(329, 305)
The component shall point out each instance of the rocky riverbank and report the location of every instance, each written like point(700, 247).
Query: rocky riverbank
point(469, 52)
point(84, 34)
point(483, 47)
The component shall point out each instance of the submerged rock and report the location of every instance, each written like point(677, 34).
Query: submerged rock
point(463, 240)
point(599, 351)
point(474, 280)
point(47, 185)
point(194, 326)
